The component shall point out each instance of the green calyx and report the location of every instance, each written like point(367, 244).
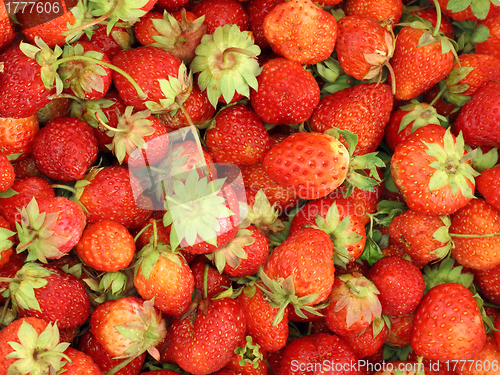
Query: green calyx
point(226, 61)
point(90, 110)
point(445, 272)
point(451, 165)
point(337, 230)
point(111, 286)
point(482, 161)
point(421, 114)
point(150, 255)
point(194, 208)
point(232, 253)
point(175, 90)
point(454, 88)
point(480, 8)
point(359, 296)
point(83, 16)
point(249, 354)
point(110, 12)
point(5, 239)
point(37, 354)
point(22, 287)
point(468, 33)
point(442, 234)
point(280, 293)
point(262, 215)
point(36, 235)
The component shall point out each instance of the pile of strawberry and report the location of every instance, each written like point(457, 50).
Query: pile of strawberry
point(250, 187)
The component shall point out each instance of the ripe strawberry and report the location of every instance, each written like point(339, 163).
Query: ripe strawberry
point(80, 363)
point(17, 134)
point(257, 12)
point(430, 14)
point(89, 345)
point(26, 168)
point(400, 332)
point(16, 262)
point(488, 184)
point(106, 246)
point(388, 11)
point(429, 170)
point(325, 349)
point(287, 93)
point(7, 173)
point(221, 12)
point(477, 218)
point(353, 306)
point(7, 242)
point(7, 28)
point(364, 110)
point(400, 283)
point(478, 365)
point(441, 332)
point(363, 47)
point(57, 107)
point(259, 317)
point(425, 237)
point(491, 45)
point(412, 76)
point(163, 275)
point(26, 189)
point(205, 342)
point(108, 194)
point(370, 340)
point(48, 293)
point(236, 135)
point(478, 129)
point(118, 39)
point(128, 327)
point(65, 149)
point(249, 358)
point(462, 12)
point(488, 282)
point(301, 31)
point(216, 282)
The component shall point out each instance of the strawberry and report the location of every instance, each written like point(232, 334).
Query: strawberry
point(491, 44)
point(479, 129)
point(89, 345)
point(26, 168)
point(49, 227)
point(488, 185)
point(128, 327)
point(354, 304)
point(205, 342)
point(16, 262)
point(479, 364)
point(165, 276)
point(331, 352)
point(287, 93)
point(363, 47)
point(236, 135)
point(477, 219)
point(249, 359)
point(108, 194)
point(54, 295)
point(441, 332)
point(26, 189)
point(257, 12)
point(364, 110)
point(17, 134)
point(430, 14)
point(216, 282)
point(118, 39)
point(388, 11)
point(301, 31)
point(7, 173)
point(65, 149)
point(80, 362)
point(467, 12)
point(106, 246)
point(221, 12)
point(259, 317)
point(370, 340)
point(7, 242)
point(429, 170)
point(400, 283)
point(48, 24)
point(7, 28)
point(179, 32)
point(57, 107)
point(412, 78)
point(488, 282)
point(400, 332)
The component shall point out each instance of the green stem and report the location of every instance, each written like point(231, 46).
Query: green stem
point(4, 311)
point(49, 353)
point(186, 114)
point(205, 281)
point(119, 366)
point(141, 232)
point(460, 235)
point(438, 20)
point(107, 127)
point(64, 187)
point(439, 94)
point(93, 22)
point(107, 65)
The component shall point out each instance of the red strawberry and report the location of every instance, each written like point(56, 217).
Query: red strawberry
point(389, 11)
point(236, 135)
point(118, 39)
point(7, 173)
point(221, 12)
point(17, 134)
point(205, 343)
point(429, 170)
point(431, 14)
point(491, 45)
point(216, 282)
point(249, 359)
point(7, 28)
point(16, 262)
point(488, 282)
point(80, 363)
point(400, 332)
point(26, 168)
point(370, 340)
point(477, 128)
point(54, 295)
point(65, 149)
point(7, 242)
point(440, 329)
point(257, 11)
point(400, 283)
point(301, 31)
point(461, 12)
point(488, 184)
point(287, 93)
point(364, 110)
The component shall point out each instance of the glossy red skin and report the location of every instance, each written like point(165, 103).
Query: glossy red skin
point(491, 46)
point(221, 12)
point(89, 345)
point(400, 283)
point(6, 254)
point(257, 11)
point(26, 188)
point(486, 68)
point(64, 149)
point(287, 93)
point(488, 282)
point(466, 14)
point(385, 10)
point(318, 348)
point(400, 332)
point(119, 39)
point(7, 33)
point(146, 65)
point(365, 345)
point(207, 344)
point(430, 14)
point(488, 184)
point(21, 72)
point(364, 110)
point(443, 309)
point(7, 173)
point(16, 135)
point(477, 120)
point(216, 282)
point(307, 255)
point(80, 362)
